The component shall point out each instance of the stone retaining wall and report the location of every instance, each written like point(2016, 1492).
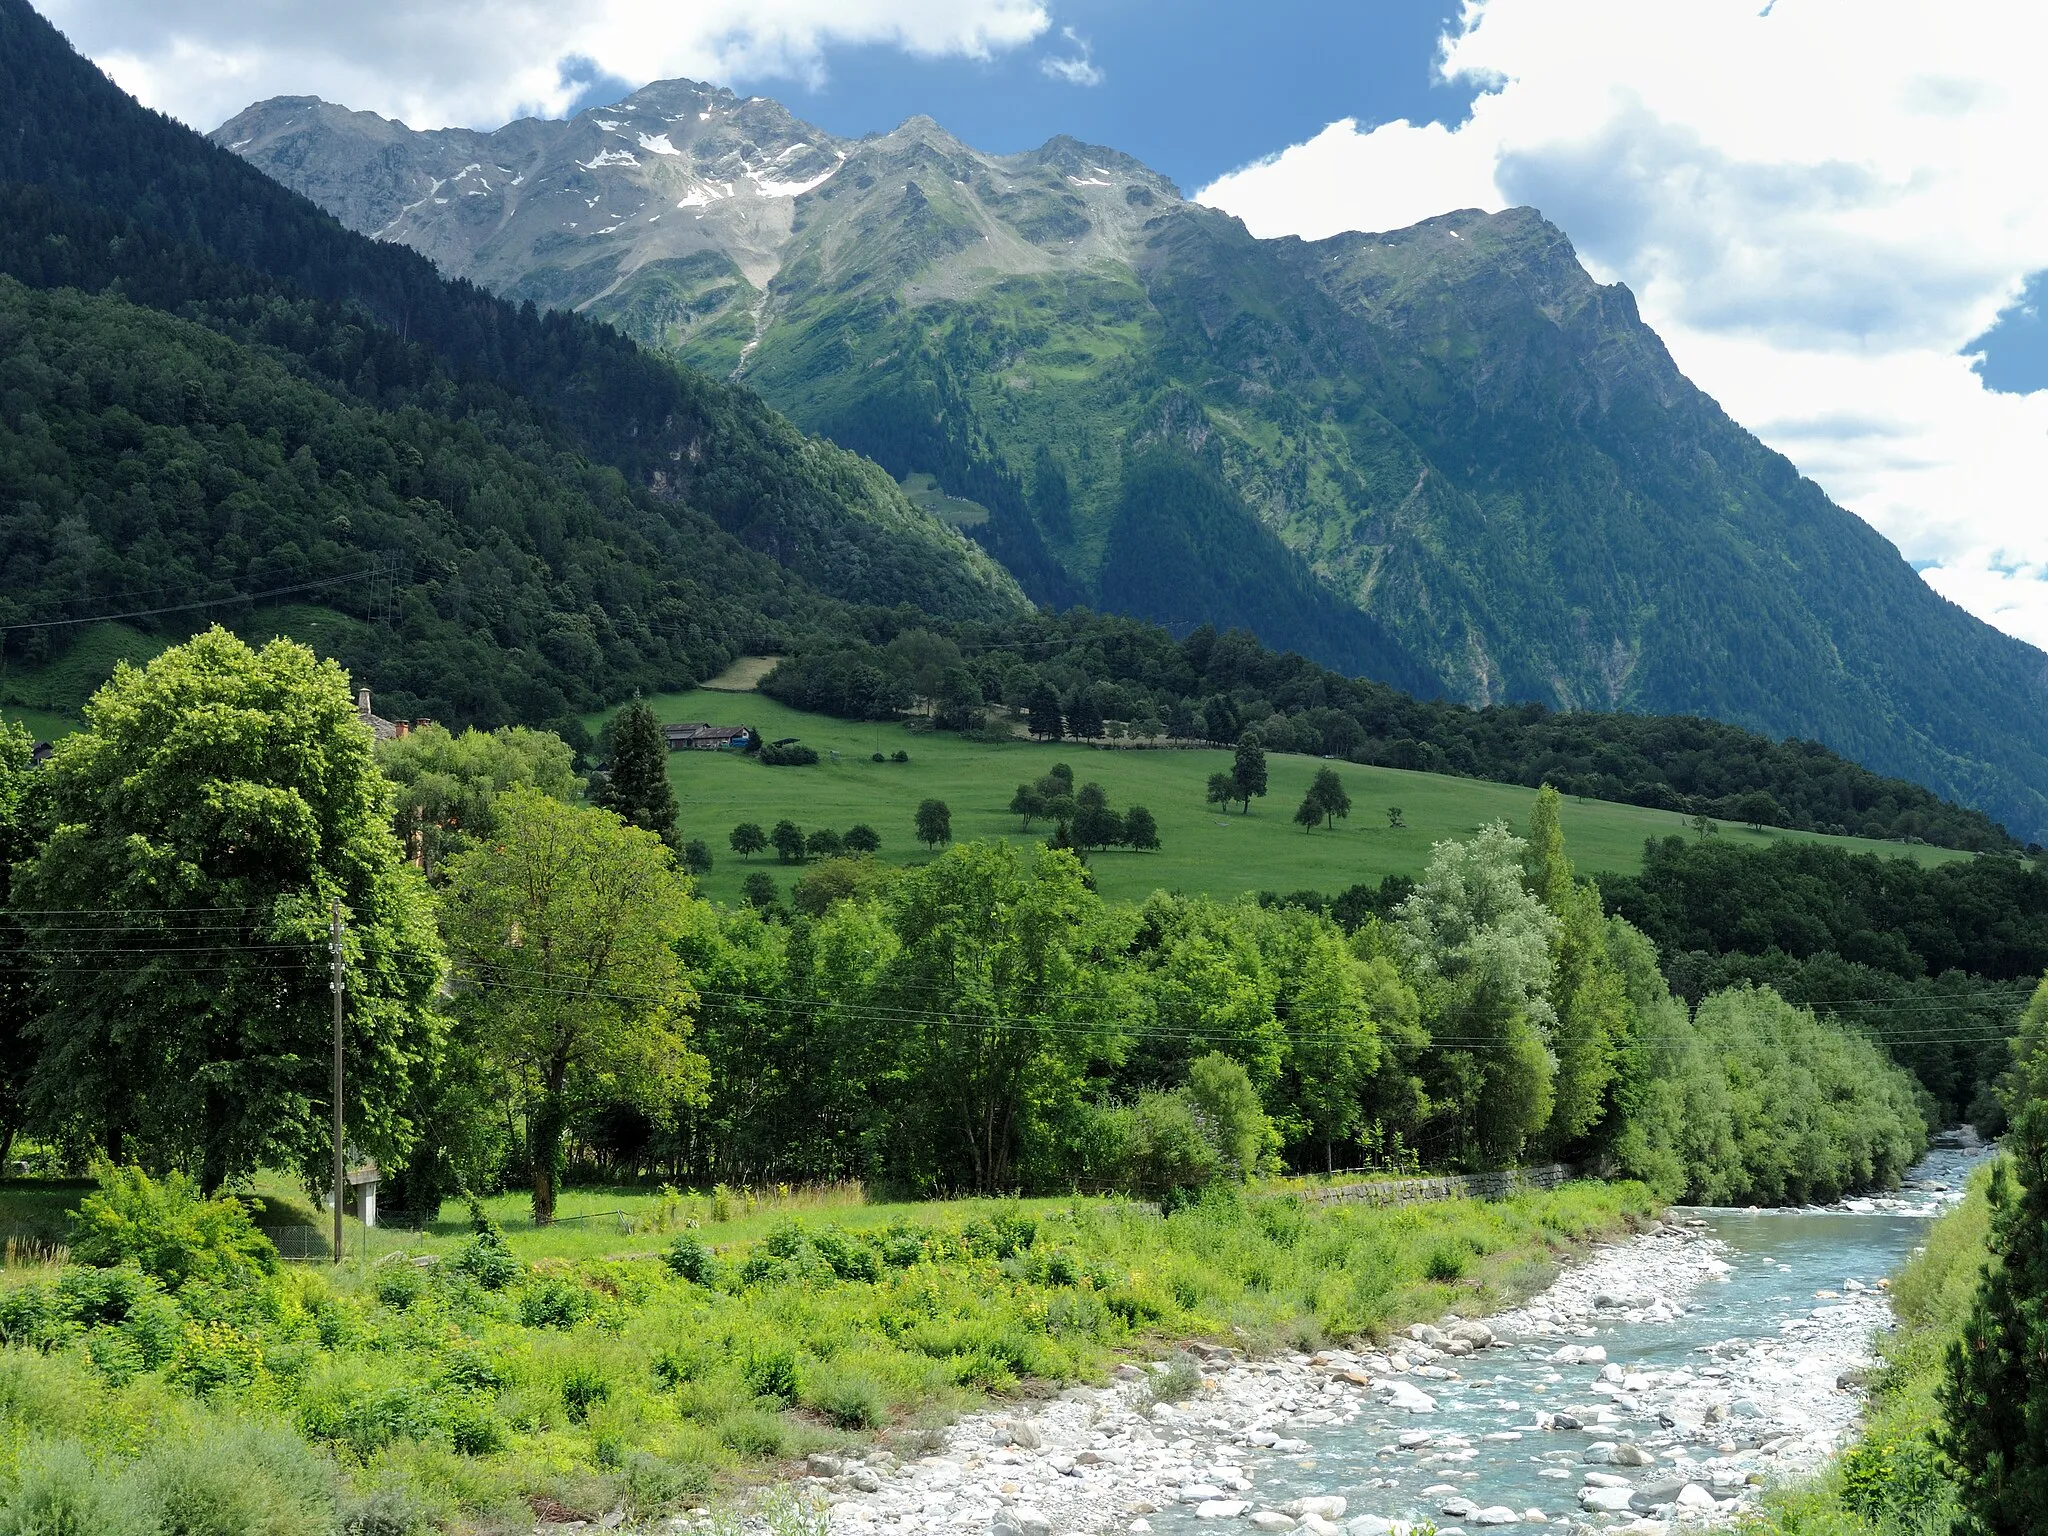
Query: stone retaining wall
point(1420, 1191)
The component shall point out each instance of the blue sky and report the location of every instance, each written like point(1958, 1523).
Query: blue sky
point(1830, 210)
point(1193, 88)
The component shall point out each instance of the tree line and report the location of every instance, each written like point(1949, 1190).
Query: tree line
point(1115, 681)
point(533, 984)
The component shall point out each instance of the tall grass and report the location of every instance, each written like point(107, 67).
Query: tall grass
point(601, 1382)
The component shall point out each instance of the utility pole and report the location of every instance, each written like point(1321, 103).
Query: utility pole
point(334, 955)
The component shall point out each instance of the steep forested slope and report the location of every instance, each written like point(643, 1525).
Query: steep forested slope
point(99, 190)
point(1450, 430)
point(474, 571)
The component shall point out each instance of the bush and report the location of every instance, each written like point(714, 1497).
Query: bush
point(553, 1302)
point(771, 1372)
point(399, 1285)
point(1446, 1264)
point(583, 1385)
point(848, 1259)
point(387, 1511)
point(1179, 1379)
point(793, 755)
point(59, 1492)
point(850, 1399)
point(753, 1432)
point(487, 1259)
point(688, 1259)
point(656, 1487)
point(168, 1230)
point(214, 1357)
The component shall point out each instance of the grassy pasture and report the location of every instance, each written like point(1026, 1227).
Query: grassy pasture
point(1202, 850)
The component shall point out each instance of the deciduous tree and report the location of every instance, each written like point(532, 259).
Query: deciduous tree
point(1248, 772)
point(934, 823)
point(563, 929)
point(219, 801)
point(747, 839)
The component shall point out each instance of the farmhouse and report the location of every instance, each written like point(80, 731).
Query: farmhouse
point(696, 736)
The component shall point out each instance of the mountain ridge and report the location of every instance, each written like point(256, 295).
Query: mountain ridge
point(1451, 429)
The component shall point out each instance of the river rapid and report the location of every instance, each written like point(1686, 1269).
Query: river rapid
point(1658, 1385)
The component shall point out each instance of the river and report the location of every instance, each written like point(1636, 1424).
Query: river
point(1658, 1384)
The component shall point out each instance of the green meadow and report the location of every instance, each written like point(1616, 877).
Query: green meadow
point(1202, 849)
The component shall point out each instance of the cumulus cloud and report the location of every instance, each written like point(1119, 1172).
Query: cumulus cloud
point(481, 62)
point(1818, 203)
point(1076, 68)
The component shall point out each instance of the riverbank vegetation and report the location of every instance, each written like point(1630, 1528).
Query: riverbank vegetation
point(1951, 1439)
point(475, 1379)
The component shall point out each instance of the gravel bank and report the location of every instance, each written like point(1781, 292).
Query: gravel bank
point(1622, 1448)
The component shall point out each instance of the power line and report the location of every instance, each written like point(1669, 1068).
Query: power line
point(380, 568)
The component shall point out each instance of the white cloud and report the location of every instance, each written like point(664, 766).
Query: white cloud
point(1077, 68)
point(435, 63)
point(1818, 203)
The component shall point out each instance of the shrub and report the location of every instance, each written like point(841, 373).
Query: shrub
point(1177, 1380)
point(655, 1486)
point(793, 755)
point(399, 1286)
point(848, 1259)
point(753, 1432)
point(850, 1399)
point(899, 756)
point(487, 1259)
point(59, 1492)
point(688, 1259)
point(236, 1480)
point(583, 1385)
point(554, 1302)
point(771, 1372)
point(388, 1511)
point(214, 1357)
point(167, 1230)
point(902, 1245)
point(1446, 1263)
point(472, 1428)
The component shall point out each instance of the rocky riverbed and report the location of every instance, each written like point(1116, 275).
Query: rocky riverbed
point(1656, 1386)
point(1552, 1413)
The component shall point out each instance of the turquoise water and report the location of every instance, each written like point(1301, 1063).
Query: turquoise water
point(1758, 1336)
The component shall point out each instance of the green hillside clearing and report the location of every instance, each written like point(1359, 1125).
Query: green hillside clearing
point(1202, 850)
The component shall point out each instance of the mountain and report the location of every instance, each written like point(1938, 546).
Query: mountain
point(1450, 432)
point(99, 191)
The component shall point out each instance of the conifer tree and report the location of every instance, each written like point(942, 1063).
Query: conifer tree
point(638, 791)
point(1995, 1400)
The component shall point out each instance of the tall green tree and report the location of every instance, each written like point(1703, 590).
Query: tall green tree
point(1042, 707)
point(446, 785)
point(17, 994)
point(1588, 994)
point(199, 829)
point(1004, 1010)
point(934, 823)
point(637, 790)
point(562, 929)
point(1995, 1397)
point(1248, 772)
point(1480, 948)
point(747, 839)
point(1324, 801)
